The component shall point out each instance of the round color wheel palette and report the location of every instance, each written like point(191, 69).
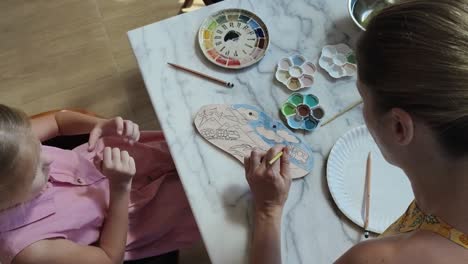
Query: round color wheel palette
point(233, 38)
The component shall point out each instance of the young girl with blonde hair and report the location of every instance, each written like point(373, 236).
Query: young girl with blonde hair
point(116, 198)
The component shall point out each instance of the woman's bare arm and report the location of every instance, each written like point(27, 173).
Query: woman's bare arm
point(266, 245)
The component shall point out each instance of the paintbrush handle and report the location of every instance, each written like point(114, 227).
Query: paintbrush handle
point(205, 76)
point(275, 158)
point(367, 192)
point(342, 112)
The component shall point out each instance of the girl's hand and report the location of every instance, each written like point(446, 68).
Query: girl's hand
point(118, 166)
point(114, 127)
point(269, 183)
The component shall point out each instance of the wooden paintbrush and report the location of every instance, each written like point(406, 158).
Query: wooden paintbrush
point(204, 76)
point(342, 112)
point(367, 195)
point(275, 158)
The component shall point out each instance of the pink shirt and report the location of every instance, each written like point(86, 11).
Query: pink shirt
point(74, 203)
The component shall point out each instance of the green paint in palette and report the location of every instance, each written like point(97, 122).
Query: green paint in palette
point(289, 109)
point(296, 99)
point(351, 58)
point(302, 111)
point(212, 26)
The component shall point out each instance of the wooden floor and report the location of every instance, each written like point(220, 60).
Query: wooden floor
point(75, 54)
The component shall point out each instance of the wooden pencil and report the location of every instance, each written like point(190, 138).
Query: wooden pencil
point(204, 76)
point(342, 112)
point(367, 194)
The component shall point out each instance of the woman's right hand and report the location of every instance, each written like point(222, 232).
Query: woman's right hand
point(118, 166)
point(269, 183)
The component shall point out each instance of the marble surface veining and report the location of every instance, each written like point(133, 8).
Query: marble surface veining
point(313, 230)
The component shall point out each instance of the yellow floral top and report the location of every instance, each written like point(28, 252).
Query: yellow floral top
point(414, 219)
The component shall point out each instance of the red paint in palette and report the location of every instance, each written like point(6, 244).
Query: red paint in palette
point(233, 62)
point(222, 60)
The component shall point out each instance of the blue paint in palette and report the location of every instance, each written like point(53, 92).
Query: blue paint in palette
point(253, 24)
point(259, 33)
point(310, 124)
point(297, 60)
point(293, 122)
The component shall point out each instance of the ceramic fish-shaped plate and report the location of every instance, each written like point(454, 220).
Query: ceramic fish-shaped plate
point(238, 128)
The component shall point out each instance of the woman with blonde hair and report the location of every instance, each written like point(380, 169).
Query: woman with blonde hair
point(413, 78)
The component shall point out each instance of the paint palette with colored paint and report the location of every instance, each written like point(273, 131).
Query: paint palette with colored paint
point(338, 60)
point(233, 38)
point(302, 111)
point(295, 72)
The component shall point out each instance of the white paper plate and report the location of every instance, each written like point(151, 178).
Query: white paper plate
point(391, 191)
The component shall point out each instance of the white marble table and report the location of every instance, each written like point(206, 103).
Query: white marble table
point(313, 231)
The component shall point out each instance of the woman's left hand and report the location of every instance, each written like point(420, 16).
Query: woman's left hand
point(114, 127)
